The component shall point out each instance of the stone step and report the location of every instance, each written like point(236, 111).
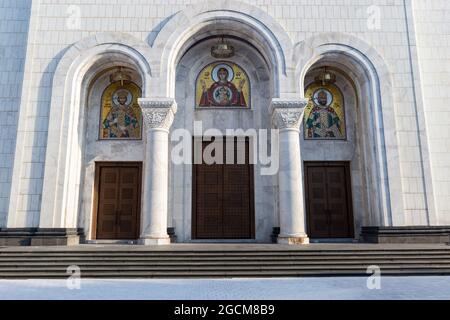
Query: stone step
point(227, 267)
point(220, 254)
point(119, 262)
point(134, 263)
point(221, 258)
point(224, 274)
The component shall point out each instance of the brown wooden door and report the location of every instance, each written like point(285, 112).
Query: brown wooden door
point(223, 198)
point(118, 191)
point(329, 200)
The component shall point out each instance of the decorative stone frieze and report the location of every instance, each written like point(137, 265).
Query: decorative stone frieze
point(287, 113)
point(158, 113)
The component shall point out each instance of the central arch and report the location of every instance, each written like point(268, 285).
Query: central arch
point(214, 18)
point(182, 50)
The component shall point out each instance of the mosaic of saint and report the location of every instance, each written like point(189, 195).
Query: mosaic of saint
point(120, 113)
point(222, 84)
point(324, 115)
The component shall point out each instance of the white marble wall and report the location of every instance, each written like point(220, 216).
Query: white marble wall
point(288, 27)
point(14, 17)
point(431, 36)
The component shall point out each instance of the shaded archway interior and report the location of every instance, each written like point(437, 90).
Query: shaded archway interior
point(100, 157)
point(354, 153)
point(259, 65)
point(237, 32)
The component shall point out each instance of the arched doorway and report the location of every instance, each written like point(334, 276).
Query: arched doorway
point(342, 178)
point(332, 154)
point(268, 58)
point(375, 138)
point(113, 153)
point(80, 80)
point(227, 200)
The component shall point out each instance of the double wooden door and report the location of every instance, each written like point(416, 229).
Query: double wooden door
point(223, 197)
point(118, 193)
point(328, 200)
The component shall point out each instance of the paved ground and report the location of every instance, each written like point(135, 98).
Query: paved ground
point(408, 288)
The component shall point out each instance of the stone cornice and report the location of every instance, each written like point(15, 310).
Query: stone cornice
point(287, 113)
point(288, 103)
point(158, 103)
point(158, 113)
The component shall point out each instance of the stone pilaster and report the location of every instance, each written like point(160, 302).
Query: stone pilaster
point(158, 115)
point(287, 115)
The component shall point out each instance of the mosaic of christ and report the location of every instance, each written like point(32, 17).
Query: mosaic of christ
point(223, 85)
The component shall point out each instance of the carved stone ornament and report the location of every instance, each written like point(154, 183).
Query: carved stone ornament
point(158, 113)
point(287, 113)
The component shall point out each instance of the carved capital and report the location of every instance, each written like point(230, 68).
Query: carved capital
point(158, 113)
point(287, 113)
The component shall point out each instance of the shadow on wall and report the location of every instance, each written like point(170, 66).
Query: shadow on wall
point(17, 12)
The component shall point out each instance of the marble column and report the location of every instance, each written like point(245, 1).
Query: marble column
point(287, 115)
point(158, 115)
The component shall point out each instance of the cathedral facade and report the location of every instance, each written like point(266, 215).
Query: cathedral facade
point(287, 121)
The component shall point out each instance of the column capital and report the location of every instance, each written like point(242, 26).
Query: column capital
point(158, 113)
point(287, 113)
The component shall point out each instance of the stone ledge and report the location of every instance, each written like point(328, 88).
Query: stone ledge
point(415, 234)
point(40, 236)
point(154, 241)
point(293, 240)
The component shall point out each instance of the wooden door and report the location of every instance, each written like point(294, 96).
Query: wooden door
point(118, 188)
point(223, 198)
point(328, 200)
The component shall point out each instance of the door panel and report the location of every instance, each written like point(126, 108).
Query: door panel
point(318, 201)
point(337, 203)
point(108, 202)
point(236, 194)
point(129, 194)
point(328, 200)
point(222, 198)
point(209, 200)
point(118, 187)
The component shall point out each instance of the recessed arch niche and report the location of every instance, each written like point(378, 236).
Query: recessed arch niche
point(259, 70)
